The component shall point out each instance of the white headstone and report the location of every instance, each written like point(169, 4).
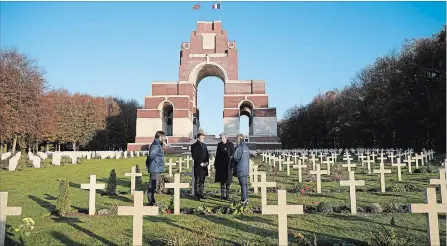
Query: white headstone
point(282, 210)
point(176, 186)
point(432, 209)
point(92, 187)
point(6, 211)
point(352, 183)
point(382, 172)
point(137, 211)
point(132, 176)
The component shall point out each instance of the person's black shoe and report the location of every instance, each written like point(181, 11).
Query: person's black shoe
point(197, 198)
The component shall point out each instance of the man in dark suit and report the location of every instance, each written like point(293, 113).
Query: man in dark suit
point(201, 157)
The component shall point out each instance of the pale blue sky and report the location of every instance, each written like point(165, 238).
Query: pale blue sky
point(298, 48)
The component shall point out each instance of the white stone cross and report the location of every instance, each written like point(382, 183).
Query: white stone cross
point(288, 162)
point(321, 157)
point(382, 172)
point(328, 163)
point(282, 210)
point(391, 156)
point(188, 159)
point(303, 159)
point(399, 166)
point(409, 160)
point(137, 211)
point(381, 158)
point(443, 183)
point(263, 185)
point(373, 155)
point(180, 164)
point(318, 172)
point(299, 167)
point(349, 165)
point(176, 186)
point(6, 211)
point(313, 160)
point(254, 177)
point(132, 176)
point(432, 209)
point(368, 162)
point(352, 183)
point(279, 160)
point(92, 187)
point(170, 164)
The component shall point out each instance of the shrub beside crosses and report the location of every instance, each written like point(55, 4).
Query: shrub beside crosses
point(63, 202)
point(111, 184)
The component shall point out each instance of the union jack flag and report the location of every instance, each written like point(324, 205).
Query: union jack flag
point(196, 6)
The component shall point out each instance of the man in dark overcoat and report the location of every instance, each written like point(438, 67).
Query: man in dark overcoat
point(201, 157)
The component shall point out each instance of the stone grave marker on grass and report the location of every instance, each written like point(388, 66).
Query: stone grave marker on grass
point(282, 210)
point(382, 172)
point(176, 186)
point(318, 172)
point(443, 184)
point(132, 176)
point(92, 187)
point(6, 211)
point(137, 211)
point(432, 209)
point(352, 183)
point(263, 185)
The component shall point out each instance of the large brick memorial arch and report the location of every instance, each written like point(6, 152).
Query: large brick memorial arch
point(172, 107)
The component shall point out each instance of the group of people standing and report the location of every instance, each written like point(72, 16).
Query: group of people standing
point(231, 160)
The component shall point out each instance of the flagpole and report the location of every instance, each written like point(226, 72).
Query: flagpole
point(220, 15)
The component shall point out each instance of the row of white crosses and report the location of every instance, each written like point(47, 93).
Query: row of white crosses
point(179, 162)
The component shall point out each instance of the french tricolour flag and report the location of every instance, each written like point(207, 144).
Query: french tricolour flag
point(216, 6)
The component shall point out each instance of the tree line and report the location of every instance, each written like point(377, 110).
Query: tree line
point(33, 116)
point(397, 102)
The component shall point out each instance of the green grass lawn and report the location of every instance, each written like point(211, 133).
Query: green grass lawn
point(36, 190)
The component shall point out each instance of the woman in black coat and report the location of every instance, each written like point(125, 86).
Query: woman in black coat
point(224, 165)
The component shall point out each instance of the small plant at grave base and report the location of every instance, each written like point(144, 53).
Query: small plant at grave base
point(303, 241)
point(393, 222)
point(203, 237)
point(24, 229)
point(138, 179)
point(176, 240)
point(238, 208)
point(344, 243)
point(170, 208)
point(203, 210)
point(65, 160)
point(376, 208)
point(63, 202)
point(386, 237)
point(111, 184)
point(325, 208)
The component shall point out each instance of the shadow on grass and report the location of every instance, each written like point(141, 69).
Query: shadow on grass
point(367, 220)
point(50, 197)
point(170, 222)
point(44, 204)
point(64, 239)
point(240, 226)
point(74, 223)
point(9, 237)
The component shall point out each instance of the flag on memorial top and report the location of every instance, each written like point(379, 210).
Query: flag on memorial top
point(216, 6)
point(196, 6)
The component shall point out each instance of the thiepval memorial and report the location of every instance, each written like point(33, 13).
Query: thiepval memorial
point(172, 107)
